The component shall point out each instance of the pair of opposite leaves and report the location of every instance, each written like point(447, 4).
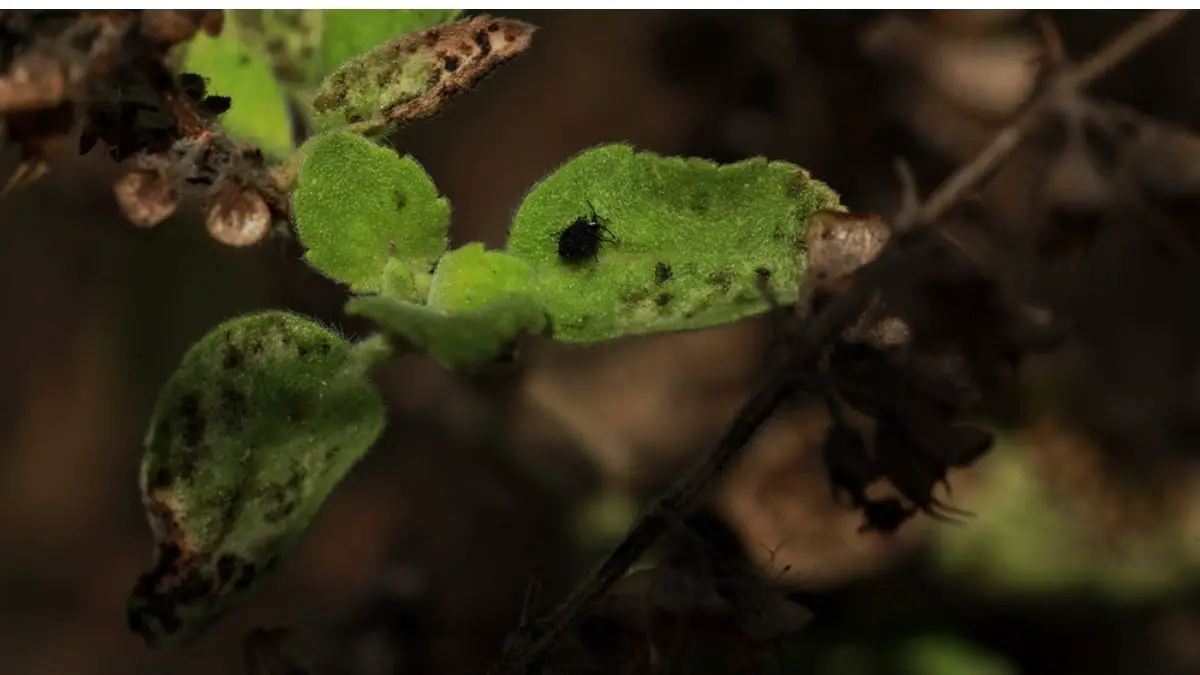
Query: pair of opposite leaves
point(268, 412)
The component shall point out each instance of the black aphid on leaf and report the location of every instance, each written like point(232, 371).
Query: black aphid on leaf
point(581, 240)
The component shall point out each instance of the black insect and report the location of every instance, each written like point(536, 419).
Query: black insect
point(581, 241)
point(662, 273)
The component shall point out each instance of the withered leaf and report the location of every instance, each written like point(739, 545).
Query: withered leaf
point(848, 463)
point(839, 243)
point(414, 76)
point(682, 591)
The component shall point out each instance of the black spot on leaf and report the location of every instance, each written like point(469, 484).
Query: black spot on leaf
point(192, 419)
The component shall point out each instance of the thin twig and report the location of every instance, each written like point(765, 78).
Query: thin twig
point(1071, 80)
point(531, 643)
point(910, 196)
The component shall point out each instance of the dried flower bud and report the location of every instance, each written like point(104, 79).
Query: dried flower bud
point(35, 81)
point(237, 215)
point(146, 196)
point(839, 243)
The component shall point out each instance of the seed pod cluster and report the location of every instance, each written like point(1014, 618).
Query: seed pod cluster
point(148, 192)
point(106, 71)
point(52, 62)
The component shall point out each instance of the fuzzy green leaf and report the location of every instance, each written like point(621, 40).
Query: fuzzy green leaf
point(259, 113)
point(471, 278)
point(479, 303)
point(369, 218)
point(350, 32)
point(262, 419)
point(690, 240)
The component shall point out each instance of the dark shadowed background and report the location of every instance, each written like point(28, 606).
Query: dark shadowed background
point(487, 500)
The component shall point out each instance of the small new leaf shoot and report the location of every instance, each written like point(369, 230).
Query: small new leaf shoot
point(480, 302)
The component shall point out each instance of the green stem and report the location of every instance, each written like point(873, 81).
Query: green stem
point(374, 351)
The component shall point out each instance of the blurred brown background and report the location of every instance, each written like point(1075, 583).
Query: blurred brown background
point(487, 500)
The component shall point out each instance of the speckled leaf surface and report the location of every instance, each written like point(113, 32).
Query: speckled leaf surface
point(263, 418)
point(690, 240)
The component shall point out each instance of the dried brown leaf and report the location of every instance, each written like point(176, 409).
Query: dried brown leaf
point(415, 75)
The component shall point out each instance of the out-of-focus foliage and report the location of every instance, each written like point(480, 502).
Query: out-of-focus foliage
point(235, 69)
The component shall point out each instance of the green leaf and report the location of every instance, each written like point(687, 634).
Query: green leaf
point(1027, 542)
point(471, 278)
point(262, 419)
point(691, 239)
point(369, 218)
point(289, 38)
point(351, 32)
point(950, 655)
point(479, 303)
point(415, 75)
point(259, 113)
